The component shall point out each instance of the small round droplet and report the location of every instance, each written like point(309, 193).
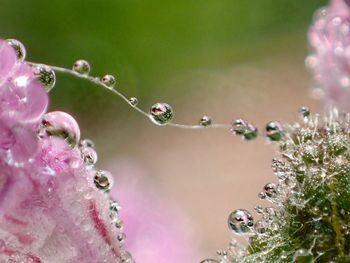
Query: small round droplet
point(109, 81)
point(305, 113)
point(133, 101)
point(241, 222)
point(244, 129)
point(274, 131)
point(46, 76)
point(161, 113)
point(19, 48)
point(103, 180)
point(86, 143)
point(82, 67)
point(61, 124)
point(270, 190)
point(303, 256)
point(121, 237)
point(89, 155)
point(114, 206)
point(205, 121)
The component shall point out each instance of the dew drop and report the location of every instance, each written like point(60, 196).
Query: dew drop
point(274, 131)
point(303, 256)
point(86, 143)
point(61, 124)
point(46, 76)
point(19, 48)
point(114, 206)
point(89, 155)
point(82, 67)
point(270, 190)
point(260, 227)
point(133, 101)
point(109, 81)
point(103, 180)
point(121, 237)
point(245, 129)
point(305, 113)
point(241, 222)
point(205, 121)
point(161, 113)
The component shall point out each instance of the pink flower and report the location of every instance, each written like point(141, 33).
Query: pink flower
point(50, 207)
point(329, 39)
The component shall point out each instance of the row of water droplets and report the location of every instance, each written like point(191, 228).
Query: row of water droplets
point(61, 124)
point(241, 222)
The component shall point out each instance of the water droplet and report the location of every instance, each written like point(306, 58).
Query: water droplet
point(260, 227)
point(114, 206)
point(274, 131)
point(109, 81)
point(161, 113)
point(205, 121)
point(133, 101)
point(89, 155)
point(121, 237)
point(46, 76)
point(19, 48)
point(209, 260)
point(303, 256)
point(61, 124)
point(245, 129)
point(103, 180)
point(82, 67)
point(270, 190)
point(305, 113)
point(241, 222)
point(86, 143)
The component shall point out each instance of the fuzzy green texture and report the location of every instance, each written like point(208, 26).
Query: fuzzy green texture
point(311, 220)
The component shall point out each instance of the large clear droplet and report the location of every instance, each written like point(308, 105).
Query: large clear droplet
point(82, 67)
point(61, 124)
point(46, 76)
point(274, 131)
point(103, 180)
point(19, 48)
point(161, 113)
point(303, 256)
point(205, 121)
point(241, 222)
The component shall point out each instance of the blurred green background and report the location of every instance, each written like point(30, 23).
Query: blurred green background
point(225, 58)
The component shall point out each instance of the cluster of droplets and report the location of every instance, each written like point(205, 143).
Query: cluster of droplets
point(308, 217)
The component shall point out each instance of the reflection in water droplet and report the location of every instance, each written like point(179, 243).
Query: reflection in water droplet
point(303, 256)
point(46, 76)
point(89, 155)
point(133, 101)
point(161, 113)
point(245, 129)
point(61, 124)
point(82, 67)
point(274, 131)
point(205, 121)
point(109, 81)
point(103, 180)
point(241, 222)
point(19, 49)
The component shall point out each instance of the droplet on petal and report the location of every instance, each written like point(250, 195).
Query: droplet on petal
point(205, 121)
point(19, 49)
point(241, 222)
point(109, 81)
point(161, 113)
point(86, 143)
point(46, 76)
point(62, 125)
point(103, 180)
point(133, 101)
point(114, 206)
point(82, 67)
point(274, 131)
point(89, 155)
point(270, 190)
